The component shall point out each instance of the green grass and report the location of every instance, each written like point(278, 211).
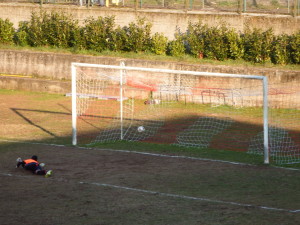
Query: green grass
point(228, 3)
point(253, 112)
point(8, 92)
point(48, 96)
point(37, 96)
point(214, 154)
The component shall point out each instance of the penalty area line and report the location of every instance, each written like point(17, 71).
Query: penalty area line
point(168, 194)
point(190, 197)
point(184, 157)
point(168, 156)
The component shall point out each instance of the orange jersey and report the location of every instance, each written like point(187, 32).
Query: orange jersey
point(27, 161)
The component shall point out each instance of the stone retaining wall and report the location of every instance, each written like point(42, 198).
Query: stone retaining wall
point(51, 72)
point(57, 66)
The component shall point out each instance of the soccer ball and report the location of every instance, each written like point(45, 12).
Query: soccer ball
point(141, 129)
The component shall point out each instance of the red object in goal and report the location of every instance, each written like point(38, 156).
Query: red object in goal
point(143, 85)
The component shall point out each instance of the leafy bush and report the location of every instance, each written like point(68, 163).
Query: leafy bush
point(234, 44)
point(279, 51)
point(59, 29)
point(257, 45)
point(118, 39)
point(194, 38)
point(159, 44)
point(35, 36)
point(138, 36)
point(294, 48)
point(6, 31)
point(176, 47)
point(214, 46)
point(98, 32)
point(215, 42)
point(48, 30)
point(220, 42)
point(21, 36)
point(268, 37)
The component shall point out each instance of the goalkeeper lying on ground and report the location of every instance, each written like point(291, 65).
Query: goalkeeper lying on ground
point(34, 166)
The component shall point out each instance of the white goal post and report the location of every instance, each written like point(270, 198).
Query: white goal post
point(119, 85)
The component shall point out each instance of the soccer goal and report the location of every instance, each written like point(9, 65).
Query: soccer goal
point(185, 108)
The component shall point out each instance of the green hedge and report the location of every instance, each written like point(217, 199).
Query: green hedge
point(218, 43)
point(199, 40)
point(6, 31)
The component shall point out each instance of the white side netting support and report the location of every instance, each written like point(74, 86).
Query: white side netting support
point(186, 108)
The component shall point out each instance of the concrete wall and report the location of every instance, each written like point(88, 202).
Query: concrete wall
point(165, 21)
point(32, 84)
point(44, 65)
point(56, 68)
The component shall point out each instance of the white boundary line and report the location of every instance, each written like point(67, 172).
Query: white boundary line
point(147, 153)
point(173, 195)
point(171, 156)
point(191, 198)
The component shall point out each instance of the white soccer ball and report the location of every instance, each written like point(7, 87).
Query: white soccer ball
point(141, 129)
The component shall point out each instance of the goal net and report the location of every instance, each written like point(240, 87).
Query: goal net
point(284, 124)
point(184, 108)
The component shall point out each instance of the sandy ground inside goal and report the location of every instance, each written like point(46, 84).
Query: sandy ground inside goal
point(92, 186)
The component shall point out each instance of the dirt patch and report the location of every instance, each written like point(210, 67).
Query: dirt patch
point(75, 194)
point(35, 116)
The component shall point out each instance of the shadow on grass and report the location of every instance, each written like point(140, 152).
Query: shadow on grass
point(205, 140)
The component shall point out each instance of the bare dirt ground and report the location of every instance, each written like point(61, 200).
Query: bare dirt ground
point(32, 116)
point(108, 187)
point(93, 187)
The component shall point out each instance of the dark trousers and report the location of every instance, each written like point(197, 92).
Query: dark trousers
point(35, 168)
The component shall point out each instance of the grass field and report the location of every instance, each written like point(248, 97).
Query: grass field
point(125, 183)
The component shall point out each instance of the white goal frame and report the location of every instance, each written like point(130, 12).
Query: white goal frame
point(123, 68)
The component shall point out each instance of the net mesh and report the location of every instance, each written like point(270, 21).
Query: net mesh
point(186, 110)
point(284, 125)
